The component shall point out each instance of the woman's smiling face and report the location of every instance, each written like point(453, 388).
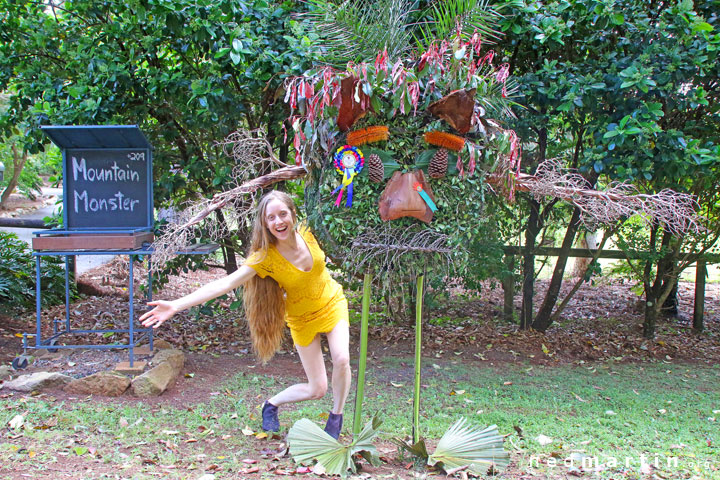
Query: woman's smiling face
point(279, 220)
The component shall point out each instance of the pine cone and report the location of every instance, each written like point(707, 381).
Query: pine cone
point(376, 169)
point(438, 164)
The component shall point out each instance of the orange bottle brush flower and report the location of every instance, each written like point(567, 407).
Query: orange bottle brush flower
point(445, 140)
point(372, 134)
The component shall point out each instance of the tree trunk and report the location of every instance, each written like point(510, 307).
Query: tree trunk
point(670, 305)
point(531, 232)
point(18, 164)
point(227, 245)
point(587, 240)
point(651, 314)
point(661, 287)
point(543, 319)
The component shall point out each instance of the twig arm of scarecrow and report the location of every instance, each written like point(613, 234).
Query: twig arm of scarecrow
point(221, 199)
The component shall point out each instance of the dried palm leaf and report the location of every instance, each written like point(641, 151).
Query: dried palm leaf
point(309, 442)
point(469, 446)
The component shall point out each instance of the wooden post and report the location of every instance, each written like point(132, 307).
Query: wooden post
point(508, 284)
point(360, 392)
point(418, 348)
point(700, 274)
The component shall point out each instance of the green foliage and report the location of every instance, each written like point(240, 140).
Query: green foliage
point(636, 83)
point(356, 30)
point(187, 72)
point(17, 275)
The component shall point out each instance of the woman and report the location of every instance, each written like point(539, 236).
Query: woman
point(285, 280)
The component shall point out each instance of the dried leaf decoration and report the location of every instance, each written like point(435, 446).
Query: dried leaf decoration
point(466, 445)
point(400, 199)
point(354, 103)
point(456, 108)
point(309, 442)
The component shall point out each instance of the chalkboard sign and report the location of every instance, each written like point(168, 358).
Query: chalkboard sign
point(107, 188)
point(107, 177)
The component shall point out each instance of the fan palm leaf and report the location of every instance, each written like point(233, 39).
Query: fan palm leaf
point(467, 445)
point(309, 442)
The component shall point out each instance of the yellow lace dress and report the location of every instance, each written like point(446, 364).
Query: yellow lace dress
point(315, 302)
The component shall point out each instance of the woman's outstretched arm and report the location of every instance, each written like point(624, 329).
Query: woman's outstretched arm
point(164, 309)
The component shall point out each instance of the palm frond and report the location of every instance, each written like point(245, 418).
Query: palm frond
point(467, 445)
point(355, 30)
point(418, 449)
point(489, 96)
point(309, 442)
point(443, 16)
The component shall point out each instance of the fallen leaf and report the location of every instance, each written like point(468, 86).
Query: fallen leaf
point(247, 431)
point(80, 451)
point(249, 461)
point(261, 435)
point(303, 470)
point(249, 470)
point(16, 422)
point(397, 385)
point(507, 383)
point(543, 440)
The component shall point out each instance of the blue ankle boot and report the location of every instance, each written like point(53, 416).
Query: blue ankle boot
point(334, 425)
point(270, 422)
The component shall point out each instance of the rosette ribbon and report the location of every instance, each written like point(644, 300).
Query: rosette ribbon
point(349, 162)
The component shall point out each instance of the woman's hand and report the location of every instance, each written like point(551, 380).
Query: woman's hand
point(163, 310)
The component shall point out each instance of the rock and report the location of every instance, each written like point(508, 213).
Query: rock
point(160, 344)
point(175, 357)
point(155, 381)
point(111, 384)
point(168, 365)
point(6, 371)
point(38, 381)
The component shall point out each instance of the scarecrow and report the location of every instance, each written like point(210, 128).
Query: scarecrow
point(409, 143)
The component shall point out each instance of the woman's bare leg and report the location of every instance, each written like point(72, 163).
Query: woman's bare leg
point(316, 386)
point(339, 343)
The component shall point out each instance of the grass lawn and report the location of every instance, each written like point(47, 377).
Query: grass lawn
point(614, 414)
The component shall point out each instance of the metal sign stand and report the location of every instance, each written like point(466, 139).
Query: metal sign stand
point(50, 343)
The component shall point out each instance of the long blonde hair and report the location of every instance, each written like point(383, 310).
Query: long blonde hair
point(263, 298)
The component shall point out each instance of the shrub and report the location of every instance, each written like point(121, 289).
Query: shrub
point(17, 275)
